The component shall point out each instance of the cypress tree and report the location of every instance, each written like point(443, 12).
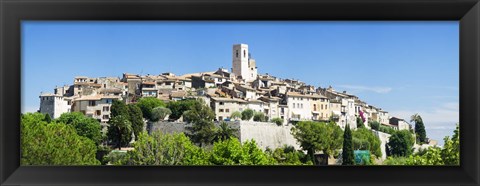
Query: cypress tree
point(48, 119)
point(347, 155)
point(421, 134)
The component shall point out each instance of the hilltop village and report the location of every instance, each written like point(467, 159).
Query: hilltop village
point(225, 92)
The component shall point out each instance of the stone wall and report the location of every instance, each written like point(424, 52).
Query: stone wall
point(265, 134)
point(384, 137)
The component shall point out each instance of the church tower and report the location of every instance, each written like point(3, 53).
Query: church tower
point(242, 64)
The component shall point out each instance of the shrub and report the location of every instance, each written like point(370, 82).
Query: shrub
point(259, 116)
point(278, 121)
point(247, 114)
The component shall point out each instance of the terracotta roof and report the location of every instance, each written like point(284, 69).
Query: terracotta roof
point(296, 94)
point(228, 99)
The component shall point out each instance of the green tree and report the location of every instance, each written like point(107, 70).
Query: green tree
point(165, 149)
point(232, 152)
point(84, 126)
point(451, 148)
point(48, 119)
point(147, 104)
point(247, 114)
point(359, 122)
point(347, 153)
point(375, 125)
point(236, 115)
point(53, 143)
point(224, 132)
point(259, 116)
point(179, 107)
point(118, 108)
point(202, 130)
point(120, 131)
point(368, 141)
point(278, 121)
point(287, 155)
point(401, 143)
point(318, 136)
point(421, 134)
point(160, 113)
point(136, 119)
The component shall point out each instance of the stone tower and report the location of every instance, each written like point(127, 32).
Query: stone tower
point(242, 64)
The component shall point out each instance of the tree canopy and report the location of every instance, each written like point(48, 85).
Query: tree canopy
point(401, 143)
point(259, 116)
point(347, 152)
point(364, 139)
point(83, 125)
point(318, 136)
point(247, 114)
point(179, 107)
point(120, 131)
point(202, 130)
point(232, 152)
point(147, 104)
point(136, 119)
point(159, 113)
point(53, 143)
point(165, 149)
point(420, 133)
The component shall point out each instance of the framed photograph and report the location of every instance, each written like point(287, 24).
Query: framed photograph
point(239, 92)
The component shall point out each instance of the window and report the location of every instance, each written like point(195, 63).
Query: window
point(227, 110)
point(302, 105)
point(294, 105)
point(221, 103)
point(322, 107)
point(315, 107)
point(91, 103)
point(220, 110)
point(244, 53)
point(106, 117)
point(106, 108)
point(237, 53)
point(98, 112)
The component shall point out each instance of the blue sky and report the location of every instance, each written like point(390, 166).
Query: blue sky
point(402, 67)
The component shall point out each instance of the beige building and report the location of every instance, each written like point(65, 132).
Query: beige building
point(224, 107)
point(97, 106)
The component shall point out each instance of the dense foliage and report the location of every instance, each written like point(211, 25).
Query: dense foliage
point(147, 104)
point(365, 139)
point(448, 155)
point(84, 126)
point(164, 149)
point(160, 113)
point(232, 152)
point(347, 151)
point(359, 122)
point(420, 133)
point(179, 107)
point(287, 155)
point(278, 121)
point(201, 117)
point(259, 116)
point(44, 143)
point(119, 131)
point(236, 115)
point(375, 125)
point(401, 143)
point(136, 119)
point(318, 136)
point(247, 114)
point(224, 132)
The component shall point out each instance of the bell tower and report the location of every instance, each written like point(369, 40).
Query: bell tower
point(240, 61)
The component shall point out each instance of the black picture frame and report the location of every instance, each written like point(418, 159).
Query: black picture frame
point(12, 12)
